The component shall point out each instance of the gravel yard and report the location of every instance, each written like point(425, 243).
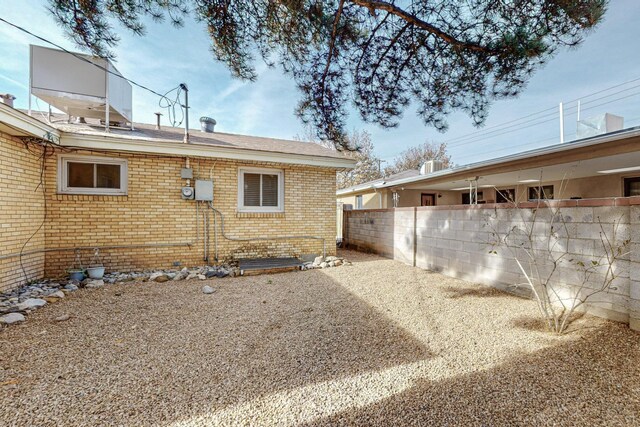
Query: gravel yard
point(374, 343)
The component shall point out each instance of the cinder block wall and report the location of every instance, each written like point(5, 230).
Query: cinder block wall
point(21, 213)
point(152, 227)
point(457, 242)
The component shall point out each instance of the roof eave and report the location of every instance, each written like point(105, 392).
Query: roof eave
point(26, 124)
point(172, 148)
point(558, 148)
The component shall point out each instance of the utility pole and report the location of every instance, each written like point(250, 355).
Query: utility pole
point(380, 162)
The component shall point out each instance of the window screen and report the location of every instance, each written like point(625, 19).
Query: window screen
point(252, 189)
point(92, 175)
point(261, 191)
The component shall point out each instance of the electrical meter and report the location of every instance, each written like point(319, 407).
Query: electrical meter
point(188, 193)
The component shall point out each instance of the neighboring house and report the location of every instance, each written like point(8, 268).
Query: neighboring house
point(124, 193)
point(597, 167)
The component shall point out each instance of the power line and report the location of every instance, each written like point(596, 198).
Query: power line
point(518, 126)
point(554, 138)
point(502, 126)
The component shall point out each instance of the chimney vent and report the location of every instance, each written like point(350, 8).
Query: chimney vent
point(158, 115)
point(7, 99)
point(207, 124)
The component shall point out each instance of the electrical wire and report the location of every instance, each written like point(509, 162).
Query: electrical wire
point(518, 126)
point(517, 122)
point(170, 106)
point(46, 145)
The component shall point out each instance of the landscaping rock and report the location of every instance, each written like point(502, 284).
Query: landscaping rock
point(10, 318)
point(181, 275)
point(324, 265)
point(211, 273)
point(202, 277)
point(159, 276)
point(62, 318)
point(318, 260)
point(94, 283)
point(32, 303)
point(9, 309)
point(207, 290)
point(192, 276)
point(56, 294)
point(71, 287)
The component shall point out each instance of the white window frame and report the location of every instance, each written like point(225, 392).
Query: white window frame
point(264, 209)
point(63, 177)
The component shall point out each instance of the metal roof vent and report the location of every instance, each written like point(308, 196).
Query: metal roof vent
point(7, 99)
point(207, 124)
point(599, 125)
point(431, 166)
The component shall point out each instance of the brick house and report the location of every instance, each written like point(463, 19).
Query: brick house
point(68, 188)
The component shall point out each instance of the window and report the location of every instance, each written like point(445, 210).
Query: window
point(506, 195)
point(466, 198)
point(359, 202)
point(427, 199)
point(632, 187)
point(260, 190)
point(92, 175)
point(541, 192)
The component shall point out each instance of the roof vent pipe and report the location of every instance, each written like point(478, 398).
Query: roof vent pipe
point(158, 115)
point(207, 124)
point(7, 99)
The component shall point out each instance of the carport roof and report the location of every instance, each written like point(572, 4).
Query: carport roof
point(569, 160)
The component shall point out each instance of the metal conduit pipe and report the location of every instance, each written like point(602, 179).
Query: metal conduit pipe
point(204, 234)
point(136, 246)
point(252, 239)
point(82, 248)
point(215, 236)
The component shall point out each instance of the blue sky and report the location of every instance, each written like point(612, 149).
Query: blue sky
point(167, 56)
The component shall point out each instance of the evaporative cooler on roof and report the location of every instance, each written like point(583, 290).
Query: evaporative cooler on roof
point(80, 88)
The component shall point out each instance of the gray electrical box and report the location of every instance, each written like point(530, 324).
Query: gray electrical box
point(186, 173)
point(204, 190)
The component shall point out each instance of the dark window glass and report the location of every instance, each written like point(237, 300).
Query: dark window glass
point(80, 175)
point(252, 189)
point(108, 176)
point(507, 195)
point(632, 187)
point(541, 192)
point(269, 190)
point(467, 198)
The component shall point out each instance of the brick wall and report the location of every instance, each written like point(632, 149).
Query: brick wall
point(152, 227)
point(456, 241)
point(21, 212)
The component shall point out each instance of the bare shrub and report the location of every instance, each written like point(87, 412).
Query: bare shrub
point(540, 241)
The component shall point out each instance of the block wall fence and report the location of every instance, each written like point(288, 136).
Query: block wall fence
point(455, 240)
point(152, 226)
